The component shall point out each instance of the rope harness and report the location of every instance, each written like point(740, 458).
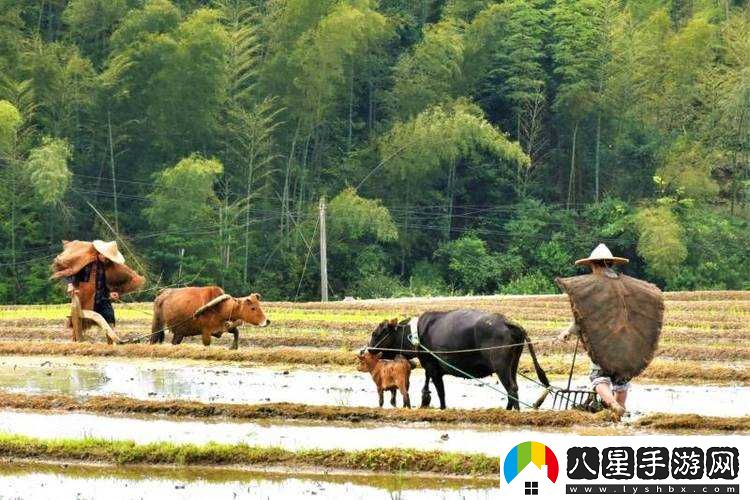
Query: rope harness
point(560, 393)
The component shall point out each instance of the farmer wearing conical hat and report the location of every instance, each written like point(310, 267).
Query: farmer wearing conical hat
point(95, 272)
point(612, 390)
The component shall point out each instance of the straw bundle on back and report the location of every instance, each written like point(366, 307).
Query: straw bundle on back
point(78, 254)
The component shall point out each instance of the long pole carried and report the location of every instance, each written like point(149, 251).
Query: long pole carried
point(118, 238)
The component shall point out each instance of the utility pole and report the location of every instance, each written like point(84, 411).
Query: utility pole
point(179, 270)
point(323, 252)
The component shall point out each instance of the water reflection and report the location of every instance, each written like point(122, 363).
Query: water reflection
point(164, 379)
point(80, 482)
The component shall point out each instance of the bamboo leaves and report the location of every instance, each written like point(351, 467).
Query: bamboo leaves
point(440, 136)
point(10, 121)
point(430, 73)
point(354, 217)
point(47, 168)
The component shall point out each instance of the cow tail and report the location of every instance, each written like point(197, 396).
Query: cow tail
point(539, 371)
point(157, 323)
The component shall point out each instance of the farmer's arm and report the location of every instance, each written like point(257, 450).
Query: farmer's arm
point(70, 289)
point(565, 334)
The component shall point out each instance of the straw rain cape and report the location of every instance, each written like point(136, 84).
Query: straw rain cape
point(620, 320)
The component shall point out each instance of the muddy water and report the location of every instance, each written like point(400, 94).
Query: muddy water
point(49, 425)
point(231, 383)
point(37, 481)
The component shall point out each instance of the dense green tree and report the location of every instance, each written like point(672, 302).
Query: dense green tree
point(580, 49)
point(660, 241)
point(93, 21)
point(10, 121)
point(430, 73)
point(47, 168)
point(464, 9)
point(465, 145)
point(470, 267)
point(168, 78)
point(183, 205)
point(356, 228)
point(504, 59)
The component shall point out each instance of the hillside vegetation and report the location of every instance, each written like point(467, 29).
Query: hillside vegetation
point(463, 146)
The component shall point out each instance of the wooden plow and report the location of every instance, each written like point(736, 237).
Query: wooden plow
point(81, 319)
point(573, 399)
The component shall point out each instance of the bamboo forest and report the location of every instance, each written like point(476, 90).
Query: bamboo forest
point(446, 146)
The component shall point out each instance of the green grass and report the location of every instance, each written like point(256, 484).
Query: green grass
point(128, 452)
point(139, 312)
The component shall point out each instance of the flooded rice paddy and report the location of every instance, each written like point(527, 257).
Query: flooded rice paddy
point(86, 482)
point(232, 383)
point(303, 436)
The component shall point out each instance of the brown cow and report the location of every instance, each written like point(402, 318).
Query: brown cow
point(185, 313)
point(388, 374)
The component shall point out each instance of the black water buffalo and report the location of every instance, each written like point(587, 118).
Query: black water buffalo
point(482, 334)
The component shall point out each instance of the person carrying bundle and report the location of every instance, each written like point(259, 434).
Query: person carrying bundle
point(618, 320)
point(95, 274)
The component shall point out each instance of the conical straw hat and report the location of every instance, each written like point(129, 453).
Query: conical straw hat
point(109, 250)
point(601, 253)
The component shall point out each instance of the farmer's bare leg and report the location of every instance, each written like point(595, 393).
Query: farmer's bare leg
point(621, 397)
point(604, 391)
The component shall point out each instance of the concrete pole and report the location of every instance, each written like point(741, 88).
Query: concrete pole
point(323, 252)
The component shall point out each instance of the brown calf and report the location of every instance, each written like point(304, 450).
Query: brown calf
point(183, 312)
point(388, 375)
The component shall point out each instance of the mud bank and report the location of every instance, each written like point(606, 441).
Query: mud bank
point(118, 405)
point(290, 434)
point(241, 455)
point(286, 435)
point(298, 414)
